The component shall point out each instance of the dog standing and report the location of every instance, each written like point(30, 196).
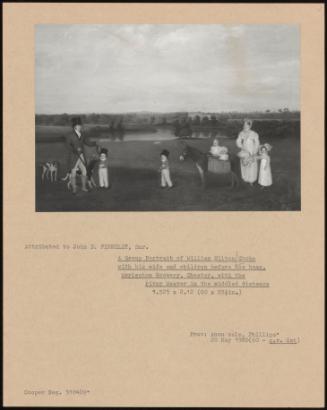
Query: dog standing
point(50, 171)
point(89, 172)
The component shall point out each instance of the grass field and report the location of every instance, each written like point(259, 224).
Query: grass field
point(135, 179)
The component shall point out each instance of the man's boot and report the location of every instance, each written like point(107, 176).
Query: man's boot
point(73, 182)
point(84, 186)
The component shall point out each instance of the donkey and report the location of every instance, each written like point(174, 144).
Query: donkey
point(201, 162)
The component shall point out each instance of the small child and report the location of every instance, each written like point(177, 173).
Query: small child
point(265, 178)
point(218, 151)
point(103, 169)
point(164, 170)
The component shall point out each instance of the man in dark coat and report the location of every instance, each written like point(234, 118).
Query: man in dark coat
point(77, 160)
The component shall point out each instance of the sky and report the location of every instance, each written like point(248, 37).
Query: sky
point(165, 68)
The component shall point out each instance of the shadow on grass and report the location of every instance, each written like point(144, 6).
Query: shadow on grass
point(139, 190)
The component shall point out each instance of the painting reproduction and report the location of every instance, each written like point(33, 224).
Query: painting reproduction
point(166, 117)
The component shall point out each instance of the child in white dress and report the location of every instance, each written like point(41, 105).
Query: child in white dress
point(265, 177)
point(103, 169)
point(218, 151)
point(165, 170)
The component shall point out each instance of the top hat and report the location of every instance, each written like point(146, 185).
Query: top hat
point(104, 151)
point(165, 153)
point(76, 121)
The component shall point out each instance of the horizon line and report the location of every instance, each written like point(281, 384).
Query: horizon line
point(166, 112)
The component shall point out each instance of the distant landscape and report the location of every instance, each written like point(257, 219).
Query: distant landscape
point(144, 88)
point(272, 124)
point(135, 140)
point(203, 119)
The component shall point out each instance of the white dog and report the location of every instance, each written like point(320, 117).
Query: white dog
point(50, 171)
point(68, 178)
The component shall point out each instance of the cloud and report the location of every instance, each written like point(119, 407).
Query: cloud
point(165, 67)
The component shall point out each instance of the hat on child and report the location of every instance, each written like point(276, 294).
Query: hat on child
point(104, 151)
point(165, 153)
point(266, 145)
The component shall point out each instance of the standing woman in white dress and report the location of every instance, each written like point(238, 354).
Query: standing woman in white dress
point(249, 143)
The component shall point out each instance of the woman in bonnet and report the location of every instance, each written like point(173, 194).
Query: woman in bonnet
point(248, 142)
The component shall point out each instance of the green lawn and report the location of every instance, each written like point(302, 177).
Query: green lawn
point(135, 180)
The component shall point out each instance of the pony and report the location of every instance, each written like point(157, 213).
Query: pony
point(200, 160)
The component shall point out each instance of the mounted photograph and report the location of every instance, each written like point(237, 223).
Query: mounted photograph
point(166, 117)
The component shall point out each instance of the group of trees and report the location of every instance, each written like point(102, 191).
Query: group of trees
point(65, 119)
point(184, 119)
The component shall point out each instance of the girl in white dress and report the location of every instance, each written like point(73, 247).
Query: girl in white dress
point(265, 178)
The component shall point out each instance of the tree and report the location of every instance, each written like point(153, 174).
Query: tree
point(213, 120)
point(196, 120)
point(205, 120)
point(61, 119)
point(177, 127)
